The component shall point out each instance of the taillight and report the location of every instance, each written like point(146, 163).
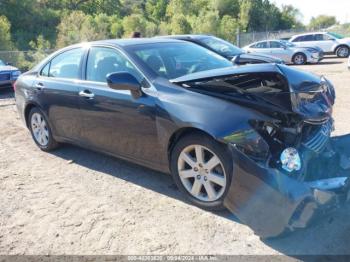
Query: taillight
point(14, 86)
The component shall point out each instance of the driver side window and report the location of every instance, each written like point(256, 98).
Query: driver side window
point(103, 61)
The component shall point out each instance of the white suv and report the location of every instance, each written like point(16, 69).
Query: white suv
point(329, 42)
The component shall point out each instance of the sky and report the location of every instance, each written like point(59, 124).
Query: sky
point(309, 8)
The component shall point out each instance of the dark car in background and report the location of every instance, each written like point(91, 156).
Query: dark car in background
point(8, 74)
point(255, 138)
point(231, 52)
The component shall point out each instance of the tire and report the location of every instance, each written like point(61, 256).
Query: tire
point(40, 129)
point(198, 176)
point(342, 51)
point(299, 59)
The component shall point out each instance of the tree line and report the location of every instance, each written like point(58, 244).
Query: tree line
point(52, 24)
point(24, 23)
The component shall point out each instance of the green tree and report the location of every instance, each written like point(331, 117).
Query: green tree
point(290, 18)
point(227, 7)
point(208, 22)
point(180, 25)
point(5, 35)
point(228, 28)
point(74, 28)
point(322, 21)
point(132, 23)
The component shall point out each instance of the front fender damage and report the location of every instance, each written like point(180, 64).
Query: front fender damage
point(270, 202)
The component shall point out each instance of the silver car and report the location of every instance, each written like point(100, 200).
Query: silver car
point(8, 74)
point(288, 52)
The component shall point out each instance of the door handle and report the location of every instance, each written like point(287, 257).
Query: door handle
point(86, 94)
point(39, 86)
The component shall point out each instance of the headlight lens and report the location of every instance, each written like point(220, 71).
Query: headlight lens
point(250, 143)
point(16, 73)
point(290, 159)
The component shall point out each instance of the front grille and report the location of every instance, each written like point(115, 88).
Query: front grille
point(319, 139)
point(5, 76)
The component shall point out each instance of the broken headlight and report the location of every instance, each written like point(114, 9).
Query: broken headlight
point(250, 143)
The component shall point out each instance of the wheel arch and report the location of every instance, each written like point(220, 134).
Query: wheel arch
point(27, 110)
point(178, 134)
point(340, 45)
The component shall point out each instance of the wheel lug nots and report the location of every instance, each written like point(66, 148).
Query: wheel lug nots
point(205, 178)
point(195, 169)
point(198, 177)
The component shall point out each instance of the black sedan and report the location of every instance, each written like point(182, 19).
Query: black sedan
point(254, 139)
point(231, 52)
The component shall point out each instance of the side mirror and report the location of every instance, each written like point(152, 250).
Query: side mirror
point(124, 81)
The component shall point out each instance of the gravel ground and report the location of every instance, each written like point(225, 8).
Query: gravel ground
point(74, 201)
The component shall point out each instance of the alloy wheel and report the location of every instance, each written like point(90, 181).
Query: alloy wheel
point(40, 130)
point(202, 173)
point(299, 59)
point(343, 52)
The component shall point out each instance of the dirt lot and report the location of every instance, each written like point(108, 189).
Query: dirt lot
point(96, 204)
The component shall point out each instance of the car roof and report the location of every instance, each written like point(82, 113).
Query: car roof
point(126, 42)
point(184, 37)
point(312, 33)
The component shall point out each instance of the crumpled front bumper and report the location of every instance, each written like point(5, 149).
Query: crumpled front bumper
point(271, 202)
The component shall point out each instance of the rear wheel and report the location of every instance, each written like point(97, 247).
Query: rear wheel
point(40, 130)
point(299, 59)
point(202, 170)
point(342, 51)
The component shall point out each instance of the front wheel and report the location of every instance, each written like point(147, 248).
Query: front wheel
point(40, 130)
point(342, 51)
point(299, 59)
point(202, 170)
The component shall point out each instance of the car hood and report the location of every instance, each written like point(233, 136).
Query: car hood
point(304, 95)
point(344, 40)
point(8, 68)
point(262, 58)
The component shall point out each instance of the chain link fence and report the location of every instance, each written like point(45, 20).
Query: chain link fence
point(24, 60)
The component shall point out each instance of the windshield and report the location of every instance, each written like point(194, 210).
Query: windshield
point(221, 46)
point(172, 60)
point(337, 36)
point(2, 63)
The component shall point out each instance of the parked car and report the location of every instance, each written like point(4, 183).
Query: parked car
point(330, 43)
point(8, 74)
point(226, 49)
point(288, 52)
point(255, 138)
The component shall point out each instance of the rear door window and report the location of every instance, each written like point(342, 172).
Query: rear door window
point(65, 65)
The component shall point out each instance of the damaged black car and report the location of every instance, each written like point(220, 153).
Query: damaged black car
point(255, 139)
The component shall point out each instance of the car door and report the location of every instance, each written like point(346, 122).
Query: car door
point(279, 50)
point(325, 42)
point(56, 88)
point(114, 121)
